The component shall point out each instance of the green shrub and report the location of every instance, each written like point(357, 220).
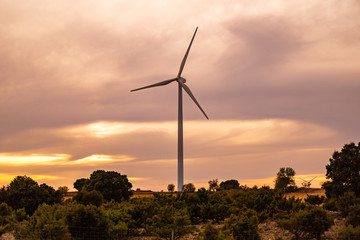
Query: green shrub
point(189, 187)
point(210, 232)
point(87, 222)
point(47, 223)
point(346, 201)
point(314, 199)
point(166, 220)
point(118, 230)
point(307, 224)
point(119, 218)
point(2, 230)
point(93, 197)
point(243, 226)
point(20, 214)
point(349, 233)
point(330, 204)
point(353, 217)
point(7, 218)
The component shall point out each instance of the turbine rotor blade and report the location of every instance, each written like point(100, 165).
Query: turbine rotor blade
point(187, 89)
point(186, 54)
point(312, 179)
point(155, 85)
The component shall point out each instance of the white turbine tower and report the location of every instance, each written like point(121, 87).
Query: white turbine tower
point(181, 83)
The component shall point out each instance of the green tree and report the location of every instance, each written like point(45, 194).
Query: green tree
point(314, 199)
point(308, 224)
point(93, 197)
point(346, 201)
point(49, 195)
point(349, 233)
point(80, 183)
point(63, 190)
point(229, 184)
point(354, 216)
point(112, 185)
point(87, 222)
point(188, 187)
point(210, 232)
point(167, 220)
point(24, 192)
point(243, 226)
point(285, 179)
point(47, 223)
point(171, 187)
point(119, 218)
point(343, 171)
point(7, 218)
point(213, 184)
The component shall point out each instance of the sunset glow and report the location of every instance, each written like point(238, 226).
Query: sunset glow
point(280, 87)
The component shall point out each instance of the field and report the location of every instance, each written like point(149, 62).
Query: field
point(304, 193)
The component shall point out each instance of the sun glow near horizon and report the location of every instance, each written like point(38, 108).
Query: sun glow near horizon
point(214, 136)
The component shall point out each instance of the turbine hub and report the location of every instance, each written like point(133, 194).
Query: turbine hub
point(182, 79)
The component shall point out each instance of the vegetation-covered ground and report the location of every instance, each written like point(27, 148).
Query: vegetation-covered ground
point(105, 208)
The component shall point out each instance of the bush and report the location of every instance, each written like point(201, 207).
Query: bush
point(87, 222)
point(188, 187)
point(166, 220)
point(330, 204)
point(48, 223)
point(7, 218)
point(119, 219)
point(353, 217)
point(93, 197)
point(20, 214)
point(314, 199)
point(243, 226)
point(349, 233)
point(210, 232)
point(346, 201)
point(308, 224)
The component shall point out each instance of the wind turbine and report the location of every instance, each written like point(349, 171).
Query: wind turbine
point(307, 184)
point(181, 85)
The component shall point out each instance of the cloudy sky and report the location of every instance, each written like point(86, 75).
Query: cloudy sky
point(279, 81)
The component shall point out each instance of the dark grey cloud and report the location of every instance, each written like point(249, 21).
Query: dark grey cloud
point(256, 83)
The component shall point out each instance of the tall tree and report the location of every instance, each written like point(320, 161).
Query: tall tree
point(343, 171)
point(229, 184)
point(171, 187)
point(112, 185)
point(213, 184)
point(189, 187)
point(80, 183)
point(285, 179)
point(24, 192)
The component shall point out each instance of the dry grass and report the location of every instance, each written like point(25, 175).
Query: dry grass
point(304, 193)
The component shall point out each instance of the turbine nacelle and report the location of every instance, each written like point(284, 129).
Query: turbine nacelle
point(183, 80)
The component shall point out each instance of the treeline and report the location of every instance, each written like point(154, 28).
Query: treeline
point(162, 215)
point(103, 208)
